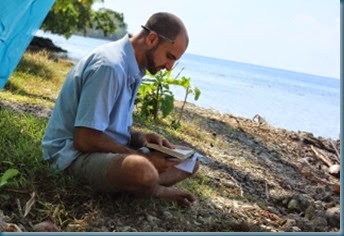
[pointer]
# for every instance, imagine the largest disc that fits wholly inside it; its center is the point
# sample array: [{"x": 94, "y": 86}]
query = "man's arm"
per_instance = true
[{"x": 91, "y": 140}]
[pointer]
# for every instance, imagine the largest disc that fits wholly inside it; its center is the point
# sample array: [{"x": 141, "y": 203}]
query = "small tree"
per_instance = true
[{"x": 155, "y": 97}]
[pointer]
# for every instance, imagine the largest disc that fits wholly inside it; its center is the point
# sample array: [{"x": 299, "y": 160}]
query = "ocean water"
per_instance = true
[{"x": 286, "y": 99}]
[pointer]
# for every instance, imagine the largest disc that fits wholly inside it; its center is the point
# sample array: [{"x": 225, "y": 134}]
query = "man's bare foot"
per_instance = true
[{"x": 182, "y": 198}]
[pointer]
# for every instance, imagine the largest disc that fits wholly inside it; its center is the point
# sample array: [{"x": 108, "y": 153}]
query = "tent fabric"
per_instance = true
[{"x": 19, "y": 21}]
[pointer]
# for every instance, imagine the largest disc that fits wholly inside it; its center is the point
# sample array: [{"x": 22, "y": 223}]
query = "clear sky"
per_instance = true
[{"x": 297, "y": 35}]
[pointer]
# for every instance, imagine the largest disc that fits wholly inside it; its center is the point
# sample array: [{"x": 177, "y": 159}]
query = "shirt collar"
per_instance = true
[{"x": 133, "y": 68}]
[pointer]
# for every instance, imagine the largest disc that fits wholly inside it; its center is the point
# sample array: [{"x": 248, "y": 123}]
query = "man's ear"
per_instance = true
[{"x": 152, "y": 39}]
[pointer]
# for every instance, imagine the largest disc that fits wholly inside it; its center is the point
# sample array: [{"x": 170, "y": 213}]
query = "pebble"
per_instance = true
[
  {"x": 333, "y": 216},
  {"x": 304, "y": 201},
  {"x": 310, "y": 212},
  {"x": 334, "y": 169},
  {"x": 167, "y": 215},
  {"x": 293, "y": 204},
  {"x": 46, "y": 226},
  {"x": 289, "y": 223},
  {"x": 296, "y": 229},
  {"x": 151, "y": 218},
  {"x": 319, "y": 223},
  {"x": 126, "y": 229}
]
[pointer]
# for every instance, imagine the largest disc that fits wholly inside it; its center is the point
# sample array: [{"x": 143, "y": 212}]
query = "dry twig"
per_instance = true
[
  {"x": 337, "y": 152},
  {"x": 321, "y": 157}
]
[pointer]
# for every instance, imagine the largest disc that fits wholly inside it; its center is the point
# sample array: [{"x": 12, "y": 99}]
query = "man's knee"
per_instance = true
[{"x": 138, "y": 171}]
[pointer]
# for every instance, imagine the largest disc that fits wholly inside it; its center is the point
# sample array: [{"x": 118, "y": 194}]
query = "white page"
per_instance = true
[{"x": 189, "y": 163}]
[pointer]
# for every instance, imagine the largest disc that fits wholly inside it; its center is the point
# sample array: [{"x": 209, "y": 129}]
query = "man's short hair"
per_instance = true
[{"x": 166, "y": 24}]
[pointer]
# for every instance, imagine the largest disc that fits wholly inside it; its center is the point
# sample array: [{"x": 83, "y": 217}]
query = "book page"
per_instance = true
[
  {"x": 189, "y": 164},
  {"x": 182, "y": 151}
]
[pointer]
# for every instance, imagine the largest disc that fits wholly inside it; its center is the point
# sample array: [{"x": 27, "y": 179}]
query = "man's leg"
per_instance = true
[
  {"x": 119, "y": 172},
  {"x": 136, "y": 174},
  {"x": 174, "y": 175}
]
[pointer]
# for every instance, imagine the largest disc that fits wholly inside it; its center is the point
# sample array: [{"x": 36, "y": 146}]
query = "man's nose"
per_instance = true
[{"x": 169, "y": 65}]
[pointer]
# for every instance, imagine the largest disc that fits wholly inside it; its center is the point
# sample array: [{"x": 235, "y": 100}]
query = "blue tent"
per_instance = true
[{"x": 19, "y": 20}]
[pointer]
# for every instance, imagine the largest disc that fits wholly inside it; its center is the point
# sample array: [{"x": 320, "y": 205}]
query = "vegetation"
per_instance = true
[
  {"x": 72, "y": 16},
  {"x": 155, "y": 97}
]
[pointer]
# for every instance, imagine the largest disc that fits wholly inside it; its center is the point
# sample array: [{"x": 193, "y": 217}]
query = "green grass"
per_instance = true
[{"x": 37, "y": 80}]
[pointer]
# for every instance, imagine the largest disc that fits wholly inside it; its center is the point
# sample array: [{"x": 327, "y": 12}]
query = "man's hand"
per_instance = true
[
  {"x": 154, "y": 138},
  {"x": 162, "y": 162}
]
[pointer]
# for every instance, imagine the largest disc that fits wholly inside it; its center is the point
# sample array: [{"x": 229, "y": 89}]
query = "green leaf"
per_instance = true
[
  {"x": 167, "y": 105},
  {"x": 10, "y": 173},
  {"x": 197, "y": 93}
]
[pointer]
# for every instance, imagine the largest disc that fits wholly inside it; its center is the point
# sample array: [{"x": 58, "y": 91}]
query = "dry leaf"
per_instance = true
[
  {"x": 336, "y": 188},
  {"x": 29, "y": 204},
  {"x": 8, "y": 227}
]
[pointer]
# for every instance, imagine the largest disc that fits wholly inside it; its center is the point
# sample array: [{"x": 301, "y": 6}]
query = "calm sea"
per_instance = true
[{"x": 286, "y": 99}]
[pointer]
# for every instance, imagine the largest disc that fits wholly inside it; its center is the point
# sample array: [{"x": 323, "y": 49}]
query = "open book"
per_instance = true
[{"x": 180, "y": 152}]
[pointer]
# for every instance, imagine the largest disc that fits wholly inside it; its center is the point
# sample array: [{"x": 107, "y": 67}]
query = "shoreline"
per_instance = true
[{"x": 44, "y": 112}]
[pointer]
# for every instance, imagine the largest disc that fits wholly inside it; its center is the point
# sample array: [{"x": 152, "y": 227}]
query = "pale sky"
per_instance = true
[{"x": 297, "y": 35}]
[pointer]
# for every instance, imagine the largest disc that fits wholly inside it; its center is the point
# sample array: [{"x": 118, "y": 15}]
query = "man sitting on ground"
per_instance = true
[{"x": 89, "y": 132}]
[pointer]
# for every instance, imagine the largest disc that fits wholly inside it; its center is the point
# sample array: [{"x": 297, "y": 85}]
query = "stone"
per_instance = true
[
  {"x": 152, "y": 219},
  {"x": 125, "y": 229},
  {"x": 334, "y": 169},
  {"x": 289, "y": 223},
  {"x": 320, "y": 223},
  {"x": 319, "y": 205},
  {"x": 294, "y": 204},
  {"x": 333, "y": 216},
  {"x": 304, "y": 202},
  {"x": 167, "y": 215},
  {"x": 295, "y": 229},
  {"x": 310, "y": 213}
]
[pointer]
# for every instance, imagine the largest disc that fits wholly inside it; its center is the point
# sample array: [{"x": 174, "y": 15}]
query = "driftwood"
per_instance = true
[
  {"x": 322, "y": 157},
  {"x": 337, "y": 152},
  {"x": 316, "y": 142}
]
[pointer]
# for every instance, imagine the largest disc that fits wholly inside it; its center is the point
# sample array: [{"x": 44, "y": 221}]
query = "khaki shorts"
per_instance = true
[{"x": 93, "y": 168}]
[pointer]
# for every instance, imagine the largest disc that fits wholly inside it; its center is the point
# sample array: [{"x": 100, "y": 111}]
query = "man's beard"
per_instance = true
[{"x": 151, "y": 67}]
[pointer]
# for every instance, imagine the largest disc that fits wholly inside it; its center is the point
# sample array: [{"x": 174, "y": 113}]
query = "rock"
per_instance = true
[
  {"x": 152, "y": 219},
  {"x": 333, "y": 216},
  {"x": 310, "y": 213},
  {"x": 285, "y": 201},
  {"x": 304, "y": 201},
  {"x": 320, "y": 223},
  {"x": 125, "y": 229},
  {"x": 167, "y": 215},
  {"x": 46, "y": 226},
  {"x": 289, "y": 223},
  {"x": 294, "y": 204},
  {"x": 296, "y": 229},
  {"x": 39, "y": 43},
  {"x": 334, "y": 169},
  {"x": 319, "y": 205}
]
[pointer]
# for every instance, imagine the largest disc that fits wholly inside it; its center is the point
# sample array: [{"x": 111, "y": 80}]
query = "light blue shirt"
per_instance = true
[{"x": 98, "y": 93}]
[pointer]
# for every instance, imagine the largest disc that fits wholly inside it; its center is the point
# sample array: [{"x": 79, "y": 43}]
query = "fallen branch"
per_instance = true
[
  {"x": 321, "y": 157},
  {"x": 337, "y": 152},
  {"x": 20, "y": 209},
  {"x": 267, "y": 191}
]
